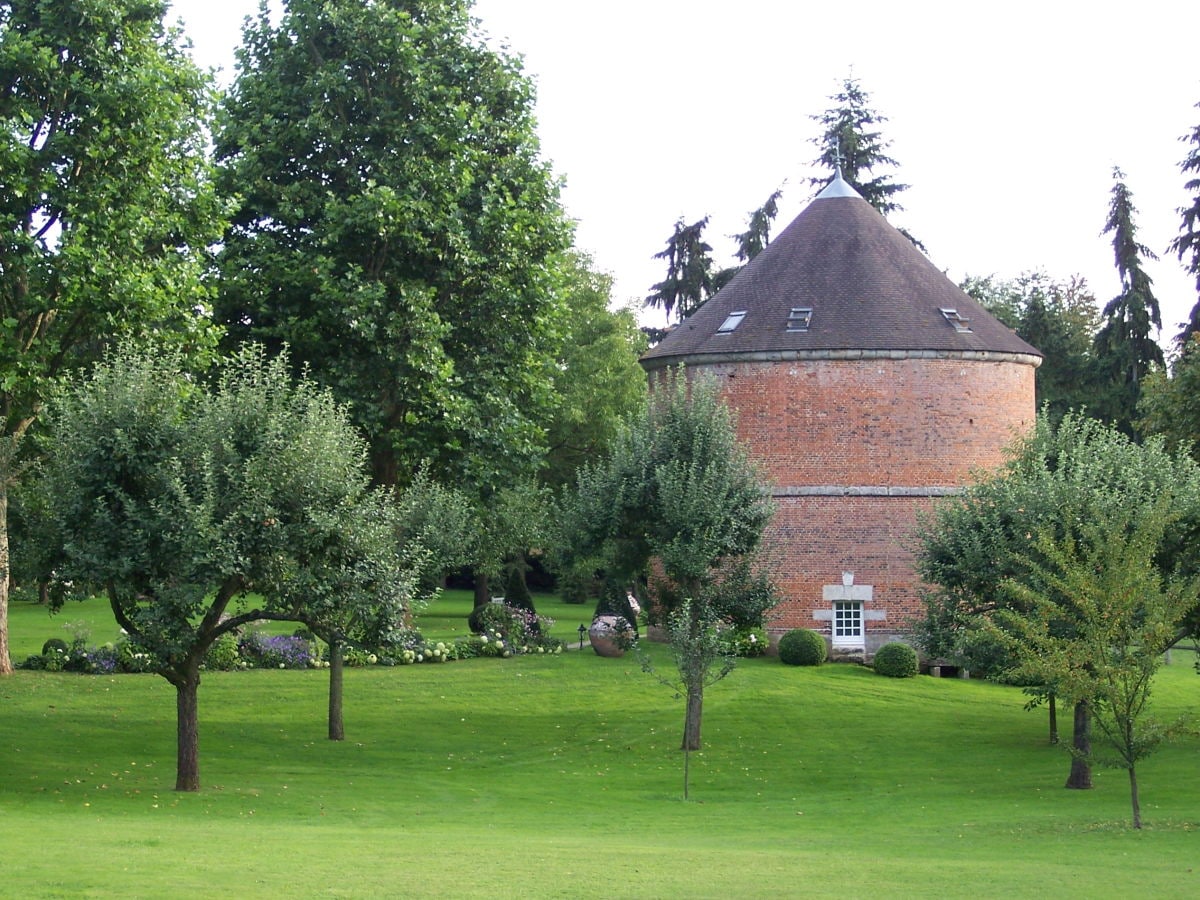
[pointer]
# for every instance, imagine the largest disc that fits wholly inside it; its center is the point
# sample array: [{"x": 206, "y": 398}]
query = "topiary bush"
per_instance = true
[
  {"x": 577, "y": 588},
  {"x": 896, "y": 660},
  {"x": 516, "y": 590},
  {"x": 490, "y": 619},
  {"x": 55, "y": 644},
  {"x": 802, "y": 647},
  {"x": 223, "y": 654}
]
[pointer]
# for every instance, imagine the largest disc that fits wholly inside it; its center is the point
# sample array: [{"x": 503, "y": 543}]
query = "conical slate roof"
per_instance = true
[{"x": 864, "y": 285}]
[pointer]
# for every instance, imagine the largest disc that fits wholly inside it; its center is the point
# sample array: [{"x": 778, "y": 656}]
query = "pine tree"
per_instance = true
[
  {"x": 850, "y": 141},
  {"x": 757, "y": 235},
  {"x": 752, "y": 241},
  {"x": 1125, "y": 348},
  {"x": 689, "y": 281},
  {"x": 1188, "y": 242}
]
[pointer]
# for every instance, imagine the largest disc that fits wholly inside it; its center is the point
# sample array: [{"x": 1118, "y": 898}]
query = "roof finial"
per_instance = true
[{"x": 838, "y": 186}]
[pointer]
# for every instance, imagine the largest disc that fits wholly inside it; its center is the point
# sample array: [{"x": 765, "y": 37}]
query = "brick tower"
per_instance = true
[{"x": 865, "y": 383}]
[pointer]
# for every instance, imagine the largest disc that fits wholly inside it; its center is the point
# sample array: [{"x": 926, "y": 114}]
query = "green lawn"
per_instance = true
[{"x": 559, "y": 777}]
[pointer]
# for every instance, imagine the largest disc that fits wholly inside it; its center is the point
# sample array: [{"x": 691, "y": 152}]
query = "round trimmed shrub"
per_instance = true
[
  {"x": 896, "y": 660},
  {"x": 223, "y": 654},
  {"x": 802, "y": 647},
  {"x": 55, "y": 644},
  {"x": 490, "y": 618}
]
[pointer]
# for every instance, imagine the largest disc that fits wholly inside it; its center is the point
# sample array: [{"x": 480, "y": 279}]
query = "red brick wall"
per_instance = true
[
  {"x": 868, "y": 423},
  {"x": 814, "y": 539},
  {"x": 911, "y": 422}
]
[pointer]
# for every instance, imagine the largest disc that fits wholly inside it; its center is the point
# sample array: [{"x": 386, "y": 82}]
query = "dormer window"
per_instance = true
[
  {"x": 732, "y": 321},
  {"x": 960, "y": 324},
  {"x": 799, "y": 318}
]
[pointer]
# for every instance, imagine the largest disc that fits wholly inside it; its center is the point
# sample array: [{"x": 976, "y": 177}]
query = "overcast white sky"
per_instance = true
[{"x": 1006, "y": 119}]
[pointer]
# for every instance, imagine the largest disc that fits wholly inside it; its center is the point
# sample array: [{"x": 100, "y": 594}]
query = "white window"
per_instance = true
[
  {"x": 799, "y": 318},
  {"x": 847, "y": 623},
  {"x": 732, "y": 321},
  {"x": 955, "y": 318}
]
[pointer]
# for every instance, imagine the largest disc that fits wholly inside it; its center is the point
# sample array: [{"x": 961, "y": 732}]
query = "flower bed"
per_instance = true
[{"x": 252, "y": 649}]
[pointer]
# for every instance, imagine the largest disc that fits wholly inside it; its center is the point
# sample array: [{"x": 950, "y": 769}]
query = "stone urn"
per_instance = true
[{"x": 610, "y": 635}]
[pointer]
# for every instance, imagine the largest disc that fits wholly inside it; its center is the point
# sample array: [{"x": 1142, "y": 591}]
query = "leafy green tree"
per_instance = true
[
  {"x": 1125, "y": 347},
  {"x": 1077, "y": 469},
  {"x": 512, "y": 522},
  {"x": 1057, "y": 317},
  {"x": 597, "y": 381},
  {"x": 1102, "y": 574},
  {"x": 679, "y": 490},
  {"x": 851, "y": 142},
  {"x": 689, "y": 281},
  {"x": 440, "y": 521},
  {"x": 1170, "y": 402},
  {"x": 106, "y": 203},
  {"x": 178, "y": 502},
  {"x": 700, "y": 661},
  {"x": 397, "y": 230},
  {"x": 1187, "y": 244},
  {"x": 352, "y": 584}
]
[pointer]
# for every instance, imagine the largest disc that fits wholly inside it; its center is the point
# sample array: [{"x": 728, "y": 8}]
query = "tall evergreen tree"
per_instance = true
[
  {"x": 752, "y": 241},
  {"x": 689, "y": 281},
  {"x": 1125, "y": 347},
  {"x": 1187, "y": 244},
  {"x": 757, "y": 235},
  {"x": 850, "y": 140}
]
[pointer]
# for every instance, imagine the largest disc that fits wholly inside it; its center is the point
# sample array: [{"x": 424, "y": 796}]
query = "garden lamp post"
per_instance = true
[{"x": 582, "y": 632}]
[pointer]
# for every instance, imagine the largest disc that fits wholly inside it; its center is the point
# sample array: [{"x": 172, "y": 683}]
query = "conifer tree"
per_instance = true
[
  {"x": 752, "y": 241},
  {"x": 689, "y": 281},
  {"x": 1125, "y": 347},
  {"x": 851, "y": 140},
  {"x": 1187, "y": 244},
  {"x": 757, "y": 235}
]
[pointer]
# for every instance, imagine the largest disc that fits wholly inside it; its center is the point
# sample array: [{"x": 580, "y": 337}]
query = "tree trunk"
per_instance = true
[
  {"x": 691, "y": 722},
  {"x": 5, "y": 660},
  {"x": 1081, "y": 770},
  {"x": 187, "y": 760},
  {"x": 693, "y": 675},
  {"x": 1133, "y": 799},
  {"x": 1053, "y": 719},
  {"x": 337, "y": 730},
  {"x": 384, "y": 467},
  {"x": 482, "y": 594}
]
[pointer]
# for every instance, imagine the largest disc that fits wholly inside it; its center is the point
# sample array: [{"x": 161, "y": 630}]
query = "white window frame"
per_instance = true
[
  {"x": 732, "y": 321},
  {"x": 846, "y": 629}
]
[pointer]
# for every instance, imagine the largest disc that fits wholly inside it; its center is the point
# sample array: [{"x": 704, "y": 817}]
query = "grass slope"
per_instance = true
[{"x": 559, "y": 777}]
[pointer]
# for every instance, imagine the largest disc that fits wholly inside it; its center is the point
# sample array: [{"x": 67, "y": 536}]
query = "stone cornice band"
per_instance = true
[
  {"x": 865, "y": 490},
  {"x": 709, "y": 359}
]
